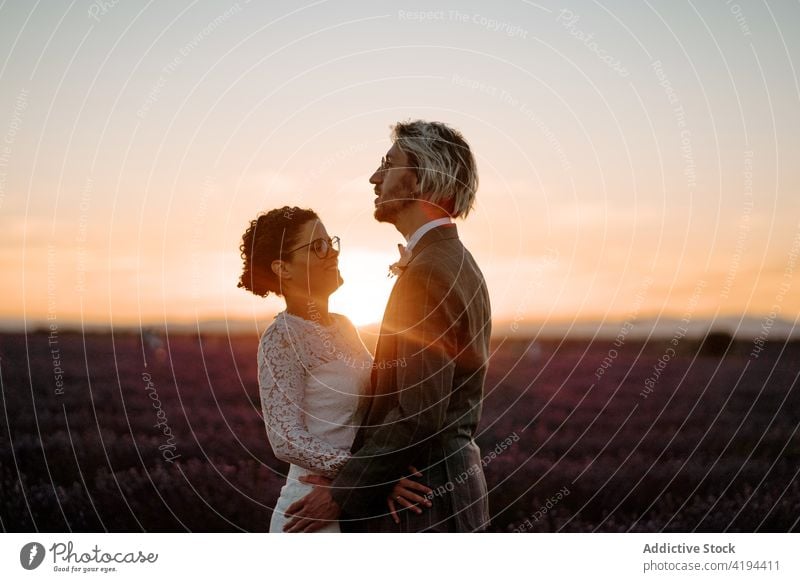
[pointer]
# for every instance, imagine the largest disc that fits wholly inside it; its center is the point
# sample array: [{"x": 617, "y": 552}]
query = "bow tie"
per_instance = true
[{"x": 396, "y": 268}]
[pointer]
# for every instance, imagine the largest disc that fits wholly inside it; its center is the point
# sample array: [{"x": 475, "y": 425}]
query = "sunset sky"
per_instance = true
[{"x": 636, "y": 159}]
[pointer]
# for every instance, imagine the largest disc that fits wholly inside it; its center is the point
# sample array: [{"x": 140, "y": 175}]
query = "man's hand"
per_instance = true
[
  {"x": 315, "y": 510},
  {"x": 403, "y": 494}
]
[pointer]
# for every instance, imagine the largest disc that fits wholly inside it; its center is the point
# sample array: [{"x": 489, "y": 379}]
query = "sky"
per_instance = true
[{"x": 637, "y": 160}]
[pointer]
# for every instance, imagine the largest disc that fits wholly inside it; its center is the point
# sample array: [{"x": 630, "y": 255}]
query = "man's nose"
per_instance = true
[{"x": 376, "y": 178}]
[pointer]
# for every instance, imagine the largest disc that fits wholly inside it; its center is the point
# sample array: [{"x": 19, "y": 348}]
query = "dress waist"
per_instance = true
[{"x": 296, "y": 471}]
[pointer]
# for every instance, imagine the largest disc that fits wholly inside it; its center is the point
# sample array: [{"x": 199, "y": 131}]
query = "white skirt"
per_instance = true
[{"x": 291, "y": 492}]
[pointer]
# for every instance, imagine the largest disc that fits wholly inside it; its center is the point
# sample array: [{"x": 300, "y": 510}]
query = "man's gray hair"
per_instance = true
[{"x": 444, "y": 164}]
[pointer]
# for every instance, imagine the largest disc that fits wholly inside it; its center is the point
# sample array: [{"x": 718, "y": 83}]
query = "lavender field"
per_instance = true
[{"x": 121, "y": 432}]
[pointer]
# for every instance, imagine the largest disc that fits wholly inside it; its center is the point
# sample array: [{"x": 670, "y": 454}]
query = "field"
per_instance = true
[{"x": 124, "y": 432}]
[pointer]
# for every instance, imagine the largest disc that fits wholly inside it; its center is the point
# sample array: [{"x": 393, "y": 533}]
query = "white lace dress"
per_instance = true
[{"x": 310, "y": 377}]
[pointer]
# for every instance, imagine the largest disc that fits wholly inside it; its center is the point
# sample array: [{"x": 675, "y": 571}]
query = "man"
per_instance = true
[{"x": 430, "y": 360}]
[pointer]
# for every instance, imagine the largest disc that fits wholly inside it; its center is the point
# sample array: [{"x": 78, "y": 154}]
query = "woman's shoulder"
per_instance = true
[
  {"x": 279, "y": 332},
  {"x": 289, "y": 329},
  {"x": 345, "y": 325},
  {"x": 350, "y": 332},
  {"x": 342, "y": 320},
  {"x": 281, "y": 345}
]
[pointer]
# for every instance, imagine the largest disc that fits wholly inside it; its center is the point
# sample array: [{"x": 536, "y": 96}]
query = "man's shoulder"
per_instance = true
[
  {"x": 446, "y": 272},
  {"x": 445, "y": 258},
  {"x": 433, "y": 264}
]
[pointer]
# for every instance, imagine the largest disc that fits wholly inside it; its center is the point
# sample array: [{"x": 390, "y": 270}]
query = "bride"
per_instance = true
[{"x": 312, "y": 365}]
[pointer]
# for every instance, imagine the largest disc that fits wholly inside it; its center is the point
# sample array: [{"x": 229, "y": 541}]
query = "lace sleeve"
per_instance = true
[{"x": 281, "y": 381}]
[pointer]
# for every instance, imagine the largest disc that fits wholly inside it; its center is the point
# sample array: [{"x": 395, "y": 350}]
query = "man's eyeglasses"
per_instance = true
[
  {"x": 322, "y": 247},
  {"x": 386, "y": 164}
]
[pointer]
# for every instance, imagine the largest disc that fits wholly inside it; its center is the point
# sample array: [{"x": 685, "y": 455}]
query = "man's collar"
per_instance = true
[
  {"x": 414, "y": 239},
  {"x": 442, "y": 232},
  {"x": 438, "y": 232}
]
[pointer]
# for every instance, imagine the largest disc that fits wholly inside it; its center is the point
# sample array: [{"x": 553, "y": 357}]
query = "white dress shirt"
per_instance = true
[{"x": 420, "y": 232}]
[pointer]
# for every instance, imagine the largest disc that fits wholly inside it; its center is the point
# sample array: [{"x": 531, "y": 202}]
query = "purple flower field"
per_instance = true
[{"x": 92, "y": 439}]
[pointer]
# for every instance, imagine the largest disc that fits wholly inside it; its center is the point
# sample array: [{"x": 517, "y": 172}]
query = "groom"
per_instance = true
[{"x": 431, "y": 356}]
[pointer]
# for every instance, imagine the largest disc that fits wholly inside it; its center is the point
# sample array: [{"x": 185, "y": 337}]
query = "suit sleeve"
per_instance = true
[{"x": 425, "y": 367}]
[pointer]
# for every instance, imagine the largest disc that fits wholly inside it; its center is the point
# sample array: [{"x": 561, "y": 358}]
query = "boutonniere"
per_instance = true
[{"x": 396, "y": 268}]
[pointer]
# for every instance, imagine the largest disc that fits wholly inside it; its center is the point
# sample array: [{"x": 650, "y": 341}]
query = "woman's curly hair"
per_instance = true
[{"x": 264, "y": 241}]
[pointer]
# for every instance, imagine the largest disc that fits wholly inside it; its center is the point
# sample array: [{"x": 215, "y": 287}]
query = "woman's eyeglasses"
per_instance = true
[{"x": 322, "y": 247}]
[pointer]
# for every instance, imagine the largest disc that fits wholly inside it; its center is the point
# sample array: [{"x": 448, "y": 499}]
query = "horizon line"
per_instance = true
[{"x": 744, "y": 327}]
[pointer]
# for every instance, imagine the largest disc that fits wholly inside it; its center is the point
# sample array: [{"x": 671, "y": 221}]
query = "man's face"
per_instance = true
[{"x": 395, "y": 185}]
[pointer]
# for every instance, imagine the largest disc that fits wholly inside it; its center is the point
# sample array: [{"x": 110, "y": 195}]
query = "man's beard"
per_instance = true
[{"x": 388, "y": 211}]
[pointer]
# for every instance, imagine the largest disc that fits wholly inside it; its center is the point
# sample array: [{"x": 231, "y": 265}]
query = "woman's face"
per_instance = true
[{"x": 308, "y": 273}]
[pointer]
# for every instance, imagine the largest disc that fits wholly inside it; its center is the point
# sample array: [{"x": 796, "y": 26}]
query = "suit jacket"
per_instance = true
[{"x": 427, "y": 389}]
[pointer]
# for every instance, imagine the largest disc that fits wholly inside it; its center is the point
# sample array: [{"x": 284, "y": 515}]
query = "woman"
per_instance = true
[{"x": 312, "y": 364}]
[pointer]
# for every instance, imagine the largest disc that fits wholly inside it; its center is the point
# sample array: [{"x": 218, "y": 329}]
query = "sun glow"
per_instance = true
[{"x": 366, "y": 286}]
